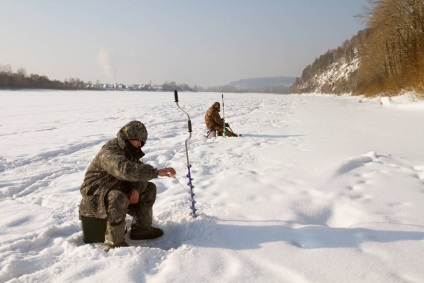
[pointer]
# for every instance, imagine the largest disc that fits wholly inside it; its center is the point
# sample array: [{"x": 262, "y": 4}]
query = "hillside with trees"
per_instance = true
[
  {"x": 336, "y": 71},
  {"x": 387, "y": 57},
  {"x": 261, "y": 85}
]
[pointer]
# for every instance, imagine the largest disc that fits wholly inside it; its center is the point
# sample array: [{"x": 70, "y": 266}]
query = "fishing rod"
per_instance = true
[
  {"x": 223, "y": 116},
  {"x": 190, "y": 184}
]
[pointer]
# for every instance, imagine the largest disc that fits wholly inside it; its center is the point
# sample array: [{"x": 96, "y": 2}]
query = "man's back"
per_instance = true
[{"x": 212, "y": 117}]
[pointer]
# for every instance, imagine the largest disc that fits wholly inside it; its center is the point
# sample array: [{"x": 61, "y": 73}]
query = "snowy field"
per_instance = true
[{"x": 318, "y": 189}]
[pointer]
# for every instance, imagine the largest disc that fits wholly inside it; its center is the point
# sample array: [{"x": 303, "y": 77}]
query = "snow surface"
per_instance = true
[{"x": 318, "y": 189}]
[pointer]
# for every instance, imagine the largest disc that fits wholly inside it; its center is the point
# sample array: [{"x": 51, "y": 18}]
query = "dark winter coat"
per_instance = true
[
  {"x": 212, "y": 118},
  {"x": 117, "y": 166}
]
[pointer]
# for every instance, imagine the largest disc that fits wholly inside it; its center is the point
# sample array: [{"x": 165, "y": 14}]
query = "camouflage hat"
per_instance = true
[{"x": 134, "y": 130}]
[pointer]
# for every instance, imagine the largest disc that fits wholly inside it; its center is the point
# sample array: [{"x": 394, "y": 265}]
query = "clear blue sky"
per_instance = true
[{"x": 198, "y": 42}]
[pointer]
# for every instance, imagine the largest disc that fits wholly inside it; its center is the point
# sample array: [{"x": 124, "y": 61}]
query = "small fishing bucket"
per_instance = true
[{"x": 93, "y": 229}]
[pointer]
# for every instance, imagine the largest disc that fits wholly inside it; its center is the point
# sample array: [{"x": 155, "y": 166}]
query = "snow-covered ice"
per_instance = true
[{"x": 318, "y": 189}]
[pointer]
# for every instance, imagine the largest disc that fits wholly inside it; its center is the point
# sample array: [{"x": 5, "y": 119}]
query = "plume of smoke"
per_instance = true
[{"x": 105, "y": 59}]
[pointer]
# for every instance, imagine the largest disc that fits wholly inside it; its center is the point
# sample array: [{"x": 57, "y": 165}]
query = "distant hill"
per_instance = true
[
  {"x": 264, "y": 84},
  {"x": 258, "y": 83}
]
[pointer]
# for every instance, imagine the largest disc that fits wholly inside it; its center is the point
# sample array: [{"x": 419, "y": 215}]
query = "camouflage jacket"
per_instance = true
[
  {"x": 116, "y": 166},
  {"x": 212, "y": 118}
]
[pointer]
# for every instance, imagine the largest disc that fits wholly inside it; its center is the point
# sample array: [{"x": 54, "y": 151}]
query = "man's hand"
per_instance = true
[
  {"x": 134, "y": 195},
  {"x": 167, "y": 172}
]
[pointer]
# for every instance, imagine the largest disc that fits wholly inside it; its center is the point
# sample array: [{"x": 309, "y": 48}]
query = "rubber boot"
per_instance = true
[
  {"x": 141, "y": 226},
  {"x": 115, "y": 235}
]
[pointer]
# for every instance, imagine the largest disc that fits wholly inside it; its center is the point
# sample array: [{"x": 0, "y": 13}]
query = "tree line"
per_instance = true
[
  {"x": 390, "y": 52},
  {"x": 393, "y": 57},
  {"x": 20, "y": 79}
]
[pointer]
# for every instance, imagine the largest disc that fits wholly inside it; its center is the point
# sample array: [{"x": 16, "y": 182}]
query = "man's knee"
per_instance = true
[
  {"x": 148, "y": 196},
  {"x": 151, "y": 187},
  {"x": 116, "y": 203}
]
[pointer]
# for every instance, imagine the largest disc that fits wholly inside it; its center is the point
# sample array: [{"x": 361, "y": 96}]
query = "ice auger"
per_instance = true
[{"x": 190, "y": 184}]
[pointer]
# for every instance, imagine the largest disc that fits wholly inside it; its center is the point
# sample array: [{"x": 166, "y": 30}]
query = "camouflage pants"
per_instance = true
[{"x": 118, "y": 205}]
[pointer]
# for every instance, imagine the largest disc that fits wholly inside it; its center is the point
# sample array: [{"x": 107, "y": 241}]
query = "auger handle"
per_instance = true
[
  {"x": 189, "y": 126},
  {"x": 176, "y": 96}
]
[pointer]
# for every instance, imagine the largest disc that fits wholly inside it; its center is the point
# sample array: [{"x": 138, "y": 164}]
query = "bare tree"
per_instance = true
[{"x": 393, "y": 56}]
